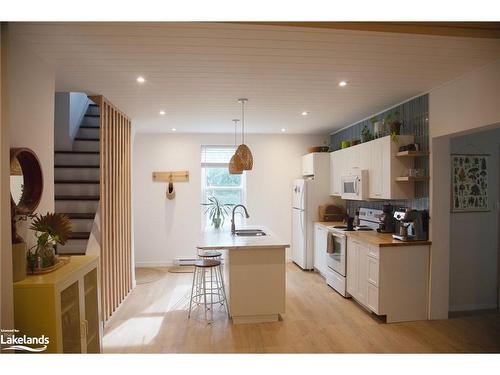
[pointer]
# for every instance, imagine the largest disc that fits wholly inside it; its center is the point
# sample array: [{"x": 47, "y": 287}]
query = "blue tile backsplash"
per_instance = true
[{"x": 415, "y": 117}]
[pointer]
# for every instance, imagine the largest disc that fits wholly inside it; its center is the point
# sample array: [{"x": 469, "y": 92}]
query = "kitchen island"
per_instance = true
[{"x": 254, "y": 274}]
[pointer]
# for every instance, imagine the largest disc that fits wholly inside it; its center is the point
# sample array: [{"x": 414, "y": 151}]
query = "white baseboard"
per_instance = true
[
  {"x": 153, "y": 264},
  {"x": 483, "y": 306}
]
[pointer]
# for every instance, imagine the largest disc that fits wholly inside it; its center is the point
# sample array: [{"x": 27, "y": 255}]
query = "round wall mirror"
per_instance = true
[{"x": 26, "y": 181}]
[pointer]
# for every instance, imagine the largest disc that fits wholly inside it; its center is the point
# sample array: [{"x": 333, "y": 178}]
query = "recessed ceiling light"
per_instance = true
[
  {"x": 174, "y": 129},
  {"x": 342, "y": 83},
  {"x": 162, "y": 113},
  {"x": 304, "y": 113},
  {"x": 283, "y": 130},
  {"x": 141, "y": 79}
]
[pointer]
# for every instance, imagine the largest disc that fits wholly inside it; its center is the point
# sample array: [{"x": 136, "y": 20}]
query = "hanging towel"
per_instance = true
[{"x": 330, "y": 247}]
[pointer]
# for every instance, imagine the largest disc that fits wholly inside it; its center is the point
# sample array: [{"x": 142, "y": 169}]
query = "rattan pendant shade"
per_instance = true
[
  {"x": 235, "y": 165},
  {"x": 243, "y": 151},
  {"x": 245, "y": 156}
]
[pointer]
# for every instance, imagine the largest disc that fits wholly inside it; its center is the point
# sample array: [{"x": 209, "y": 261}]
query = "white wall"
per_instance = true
[
  {"x": 70, "y": 107},
  {"x": 474, "y": 235},
  {"x": 30, "y": 117},
  {"x": 165, "y": 230},
  {"x": 469, "y": 103}
]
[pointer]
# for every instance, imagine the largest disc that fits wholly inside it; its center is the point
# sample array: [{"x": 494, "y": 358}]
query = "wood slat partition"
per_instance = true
[{"x": 115, "y": 190}]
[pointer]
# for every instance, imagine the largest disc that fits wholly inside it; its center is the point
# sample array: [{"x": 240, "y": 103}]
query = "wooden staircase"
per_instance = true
[{"x": 77, "y": 182}]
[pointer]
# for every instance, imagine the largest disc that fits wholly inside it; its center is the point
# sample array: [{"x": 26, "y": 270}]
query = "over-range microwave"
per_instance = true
[{"x": 355, "y": 185}]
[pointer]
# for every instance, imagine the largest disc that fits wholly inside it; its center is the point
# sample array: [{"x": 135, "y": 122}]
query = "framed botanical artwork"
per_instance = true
[{"x": 469, "y": 183}]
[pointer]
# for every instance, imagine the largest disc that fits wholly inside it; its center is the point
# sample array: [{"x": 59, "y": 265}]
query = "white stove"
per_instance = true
[{"x": 336, "y": 256}]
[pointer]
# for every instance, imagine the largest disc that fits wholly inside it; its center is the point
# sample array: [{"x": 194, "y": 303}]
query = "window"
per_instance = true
[{"x": 217, "y": 182}]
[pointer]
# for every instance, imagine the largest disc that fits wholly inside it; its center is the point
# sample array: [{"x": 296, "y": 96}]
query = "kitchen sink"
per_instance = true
[{"x": 249, "y": 232}]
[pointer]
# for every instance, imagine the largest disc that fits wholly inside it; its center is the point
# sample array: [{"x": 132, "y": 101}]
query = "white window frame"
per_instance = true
[{"x": 204, "y": 189}]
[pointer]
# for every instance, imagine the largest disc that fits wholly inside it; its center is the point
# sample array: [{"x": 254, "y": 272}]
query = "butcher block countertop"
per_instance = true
[
  {"x": 224, "y": 240},
  {"x": 375, "y": 238}
]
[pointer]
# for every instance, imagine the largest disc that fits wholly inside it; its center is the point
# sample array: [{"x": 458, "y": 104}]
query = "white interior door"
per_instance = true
[{"x": 298, "y": 238}]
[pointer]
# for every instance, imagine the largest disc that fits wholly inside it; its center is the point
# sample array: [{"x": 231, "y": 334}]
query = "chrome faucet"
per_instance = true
[{"x": 233, "y": 228}]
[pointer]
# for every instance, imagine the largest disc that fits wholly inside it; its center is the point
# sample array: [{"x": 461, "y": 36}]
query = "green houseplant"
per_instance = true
[
  {"x": 51, "y": 230},
  {"x": 217, "y": 211},
  {"x": 395, "y": 123},
  {"x": 366, "y": 134}
]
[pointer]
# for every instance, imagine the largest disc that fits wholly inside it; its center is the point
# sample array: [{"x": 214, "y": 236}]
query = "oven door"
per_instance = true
[{"x": 336, "y": 252}]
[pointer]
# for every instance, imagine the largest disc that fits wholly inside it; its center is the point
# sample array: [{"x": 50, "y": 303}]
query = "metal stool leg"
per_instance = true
[
  {"x": 204, "y": 292},
  {"x": 192, "y": 291},
  {"x": 223, "y": 290}
]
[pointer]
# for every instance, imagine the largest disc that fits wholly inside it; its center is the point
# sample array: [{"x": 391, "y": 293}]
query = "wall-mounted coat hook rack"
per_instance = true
[
  {"x": 171, "y": 177},
  {"x": 176, "y": 176}
]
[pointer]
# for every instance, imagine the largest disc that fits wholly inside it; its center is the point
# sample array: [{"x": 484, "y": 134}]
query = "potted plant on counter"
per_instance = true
[{"x": 217, "y": 212}]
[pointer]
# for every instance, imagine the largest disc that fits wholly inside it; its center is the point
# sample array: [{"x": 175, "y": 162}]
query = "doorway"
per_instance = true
[{"x": 474, "y": 238}]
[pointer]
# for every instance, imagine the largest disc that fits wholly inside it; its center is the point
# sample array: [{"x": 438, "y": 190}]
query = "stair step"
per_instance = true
[
  {"x": 93, "y": 105},
  {"x": 74, "y": 246},
  {"x": 78, "y": 152},
  {"x": 93, "y": 182},
  {"x": 92, "y": 115},
  {"x": 79, "y": 236},
  {"x": 87, "y": 139},
  {"x": 89, "y": 127},
  {"x": 85, "y": 145},
  {"x": 77, "y": 197},
  {"x": 79, "y": 215},
  {"x": 75, "y": 166}
]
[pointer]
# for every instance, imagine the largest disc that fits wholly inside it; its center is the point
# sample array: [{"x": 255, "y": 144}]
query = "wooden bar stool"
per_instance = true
[
  {"x": 210, "y": 254},
  {"x": 208, "y": 286}
]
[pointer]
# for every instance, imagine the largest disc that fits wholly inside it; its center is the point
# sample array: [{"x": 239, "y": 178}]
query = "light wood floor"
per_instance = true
[{"x": 153, "y": 319}]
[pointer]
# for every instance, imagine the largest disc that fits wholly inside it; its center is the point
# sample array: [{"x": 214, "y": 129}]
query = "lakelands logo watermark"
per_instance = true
[{"x": 24, "y": 343}]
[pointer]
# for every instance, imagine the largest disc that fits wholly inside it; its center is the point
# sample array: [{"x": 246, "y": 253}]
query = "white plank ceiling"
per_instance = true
[{"x": 197, "y": 71}]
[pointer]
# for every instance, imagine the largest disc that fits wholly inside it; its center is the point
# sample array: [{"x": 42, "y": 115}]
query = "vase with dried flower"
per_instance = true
[{"x": 51, "y": 230}]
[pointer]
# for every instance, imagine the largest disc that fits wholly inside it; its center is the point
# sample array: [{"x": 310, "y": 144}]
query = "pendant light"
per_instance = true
[
  {"x": 243, "y": 151},
  {"x": 235, "y": 165}
]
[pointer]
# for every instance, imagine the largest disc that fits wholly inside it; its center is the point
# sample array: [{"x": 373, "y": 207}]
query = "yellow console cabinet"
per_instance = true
[{"x": 63, "y": 305}]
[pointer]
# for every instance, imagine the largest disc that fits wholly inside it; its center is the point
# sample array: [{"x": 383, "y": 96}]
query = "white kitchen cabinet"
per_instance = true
[
  {"x": 308, "y": 164},
  {"x": 389, "y": 280},
  {"x": 320, "y": 244},
  {"x": 385, "y": 167},
  {"x": 335, "y": 173},
  {"x": 357, "y": 270},
  {"x": 315, "y": 163},
  {"x": 379, "y": 158}
]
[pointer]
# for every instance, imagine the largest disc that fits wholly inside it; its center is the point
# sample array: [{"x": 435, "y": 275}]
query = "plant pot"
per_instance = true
[
  {"x": 19, "y": 264},
  {"x": 355, "y": 142},
  {"x": 396, "y": 127},
  {"x": 217, "y": 222},
  {"x": 345, "y": 144}
]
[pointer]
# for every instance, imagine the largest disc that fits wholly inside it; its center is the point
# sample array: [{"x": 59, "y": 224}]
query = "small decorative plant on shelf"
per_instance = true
[
  {"x": 51, "y": 230},
  {"x": 217, "y": 211},
  {"x": 366, "y": 134},
  {"x": 395, "y": 124}
]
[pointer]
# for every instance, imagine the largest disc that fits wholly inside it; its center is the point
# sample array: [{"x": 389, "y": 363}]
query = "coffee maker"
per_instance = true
[
  {"x": 386, "y": 220},
  {"x": 412, "y": 225}
]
